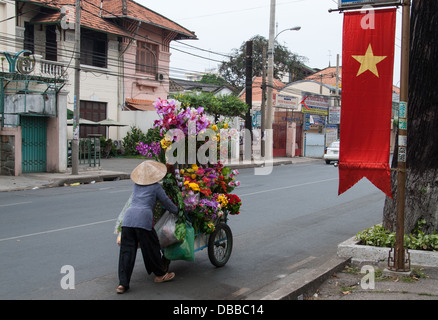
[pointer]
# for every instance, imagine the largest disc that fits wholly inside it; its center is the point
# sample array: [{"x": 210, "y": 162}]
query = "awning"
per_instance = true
[
  {"x": 111, "y": 123},
  {"x": 139, "y": 104},
  {"x": 82, "y": 122}
]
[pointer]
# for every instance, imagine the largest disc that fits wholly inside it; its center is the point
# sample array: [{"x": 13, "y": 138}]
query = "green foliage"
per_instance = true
[
  {"x": 379, "y": 237},
  {"x": 174, "y": 192},
  {"x": 227, "y": 105},
  {"x": 376, "y": 236},
  {"x": 104, "y": 143},
  {"x": 213, "y": 79},
  {"x": 131, "y": 139},
  {"x": 152, "y": 135},
  {"x": 285, "y": 62}
]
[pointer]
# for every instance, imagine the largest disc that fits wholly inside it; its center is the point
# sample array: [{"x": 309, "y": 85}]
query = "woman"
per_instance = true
[{"x": 137, "y": 227}]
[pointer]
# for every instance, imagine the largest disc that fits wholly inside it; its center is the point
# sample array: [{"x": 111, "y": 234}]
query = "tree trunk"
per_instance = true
[{"x": 422, "y": 151}]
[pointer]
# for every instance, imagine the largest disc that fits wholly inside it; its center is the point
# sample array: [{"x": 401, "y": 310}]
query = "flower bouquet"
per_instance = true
[
  {"x": 233, "y": 204},
  {"x": 202, "y": 191}
]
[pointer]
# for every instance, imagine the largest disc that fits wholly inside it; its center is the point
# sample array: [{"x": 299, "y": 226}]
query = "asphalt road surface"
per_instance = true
[{"x": 58, "y": 243}]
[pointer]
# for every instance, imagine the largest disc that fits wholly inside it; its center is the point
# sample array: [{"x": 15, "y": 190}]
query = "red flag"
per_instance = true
[{"x": 367, "y": 75}]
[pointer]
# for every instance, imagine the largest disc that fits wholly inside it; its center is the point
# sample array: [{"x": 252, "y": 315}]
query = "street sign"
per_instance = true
[
  {"x": 286, "y": 102},
  {"x": 356, "y": 4},
  {"x": 256, "y": 119}
]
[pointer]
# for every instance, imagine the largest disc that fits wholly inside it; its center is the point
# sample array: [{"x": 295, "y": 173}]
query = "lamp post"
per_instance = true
[
  {"x": 270, "y": 82},
  {"x": 288, "y": 29}
]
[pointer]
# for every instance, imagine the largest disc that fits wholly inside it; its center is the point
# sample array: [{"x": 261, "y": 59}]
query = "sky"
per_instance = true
[{"x": 222, "y": 26}]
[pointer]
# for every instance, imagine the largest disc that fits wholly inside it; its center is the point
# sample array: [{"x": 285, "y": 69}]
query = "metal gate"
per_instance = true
[
  {"x": 34, "y": 144},
  {"x": 279, "y": 139},
  {"x": 314, "y": 145}
]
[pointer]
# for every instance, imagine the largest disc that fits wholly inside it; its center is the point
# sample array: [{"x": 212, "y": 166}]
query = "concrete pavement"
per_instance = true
[{"x": 338, "y": 278}]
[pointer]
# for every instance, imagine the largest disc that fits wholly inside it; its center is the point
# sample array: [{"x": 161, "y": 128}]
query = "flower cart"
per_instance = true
[
  {"x": 219, "y": 242},
  {"x": 201, "y": 187}
]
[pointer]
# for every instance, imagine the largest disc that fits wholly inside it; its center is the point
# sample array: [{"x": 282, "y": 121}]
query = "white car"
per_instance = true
[{"x": 332, "y": 153}]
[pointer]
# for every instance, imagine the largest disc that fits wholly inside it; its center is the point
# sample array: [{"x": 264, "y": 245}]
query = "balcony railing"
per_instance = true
[
  {"x": 33, "y": 65},
  {"x": 51, "y": 69}
]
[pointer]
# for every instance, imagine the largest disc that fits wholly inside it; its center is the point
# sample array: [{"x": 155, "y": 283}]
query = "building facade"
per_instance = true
[{"x": 124, "y": 67}]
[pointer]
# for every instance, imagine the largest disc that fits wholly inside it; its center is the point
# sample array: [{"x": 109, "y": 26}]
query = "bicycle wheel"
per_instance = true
[{"x": 220, "y": 245}]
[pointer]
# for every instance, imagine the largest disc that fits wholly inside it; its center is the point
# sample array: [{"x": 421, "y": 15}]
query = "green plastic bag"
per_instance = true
[{"x": 184, "y": 250}]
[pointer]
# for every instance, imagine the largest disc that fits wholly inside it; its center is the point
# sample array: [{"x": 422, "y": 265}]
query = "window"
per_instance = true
[
  {"x": 29, "y": 41},
  {"x": 93, "y": 48},
  {"x": 51, "y": 45},
  {"x": 146, "y": 60},
  {"x": 94, "y": 111}
]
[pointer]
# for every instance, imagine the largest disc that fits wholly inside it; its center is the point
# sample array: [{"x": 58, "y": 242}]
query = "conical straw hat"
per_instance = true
[{"x": 148, "y": 172}]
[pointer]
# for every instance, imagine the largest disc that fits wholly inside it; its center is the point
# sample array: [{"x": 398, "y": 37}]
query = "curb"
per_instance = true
[
  {"x": 361, "y": 253},
  {"x": 89, "y": 179},
  {"x": 307, "y": 284}
]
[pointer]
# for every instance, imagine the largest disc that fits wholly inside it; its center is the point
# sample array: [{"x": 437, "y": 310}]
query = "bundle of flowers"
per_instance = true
[
  {"x": 233, "y": 204},
  {"x": 151, "y": 151},
  {"x": 203, "y": 192}
]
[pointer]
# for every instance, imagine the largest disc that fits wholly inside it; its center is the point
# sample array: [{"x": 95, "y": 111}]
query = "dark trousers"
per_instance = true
[{"x": 150, "y": 250}]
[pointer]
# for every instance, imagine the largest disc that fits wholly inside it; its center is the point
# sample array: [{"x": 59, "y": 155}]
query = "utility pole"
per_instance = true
[
  {"x": 248, "y": 100},
  {"x": 399, "y": 253},
  {"x": 263, "y": 107},
  {"x": 270, "y": 85},
  {"x": 77, "y": 103}
]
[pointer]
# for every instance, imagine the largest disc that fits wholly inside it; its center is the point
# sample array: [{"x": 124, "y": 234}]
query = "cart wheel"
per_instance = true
[{"x": 220, "y": 245}]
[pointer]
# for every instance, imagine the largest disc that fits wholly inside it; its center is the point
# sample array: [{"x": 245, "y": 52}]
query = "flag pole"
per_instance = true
[{"x": 399, "y": 253}]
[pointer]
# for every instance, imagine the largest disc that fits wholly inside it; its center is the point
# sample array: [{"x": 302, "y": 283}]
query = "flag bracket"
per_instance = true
[
  {"x": 341, "y": 10},
  {"x": 392, "y": 265}
]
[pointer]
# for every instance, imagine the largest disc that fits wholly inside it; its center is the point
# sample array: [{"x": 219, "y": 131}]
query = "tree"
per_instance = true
[
  {"x": 422, "y": 154},
  {"x": 213, "y": 79},
  {"x": 285, "y": 62},
  {"x": 226, "y": 105}
]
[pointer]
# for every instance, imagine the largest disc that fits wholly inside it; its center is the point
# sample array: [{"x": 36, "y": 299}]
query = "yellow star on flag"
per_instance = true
[{"x": 369, "y": 62}]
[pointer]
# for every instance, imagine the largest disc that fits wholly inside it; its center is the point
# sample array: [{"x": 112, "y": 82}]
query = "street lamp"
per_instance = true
[
  {"x": 288, "y": 29},
  {"x": 270, "y": 84}
]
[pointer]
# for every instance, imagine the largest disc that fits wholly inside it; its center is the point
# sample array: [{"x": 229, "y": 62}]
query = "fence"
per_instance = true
[{"x": 89, "y": 151}]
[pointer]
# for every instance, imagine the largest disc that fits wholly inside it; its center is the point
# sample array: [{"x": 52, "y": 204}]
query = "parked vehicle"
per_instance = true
[{"x": 332, "y": 153}]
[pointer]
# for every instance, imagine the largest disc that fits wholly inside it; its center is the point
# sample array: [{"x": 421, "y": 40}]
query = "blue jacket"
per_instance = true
[{"x": 140, "y": 212}]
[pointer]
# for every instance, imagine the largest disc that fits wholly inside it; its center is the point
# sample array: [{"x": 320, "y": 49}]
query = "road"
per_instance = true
[{"x": 291, "y": 219}]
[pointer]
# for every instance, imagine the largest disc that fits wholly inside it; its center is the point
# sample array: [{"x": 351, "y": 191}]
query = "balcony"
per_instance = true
[
  {"x": 30, "y": 86},
  {"x": 33, "y": 66}
]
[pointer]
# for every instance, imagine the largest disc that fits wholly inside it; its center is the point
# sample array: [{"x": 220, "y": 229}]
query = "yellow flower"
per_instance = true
[
  {"x": 195, "y": 167},
  {"x": 225, "y": 125},
  {"x": 165, "y": 143},
  {"x": 214, "y": 127},
  {"x": 193, "y": 176},
  {"x": 222, "y": 200},
  {"x": 194, "y": 186}
]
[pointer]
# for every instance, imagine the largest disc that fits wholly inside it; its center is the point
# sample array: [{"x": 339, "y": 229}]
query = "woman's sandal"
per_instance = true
[
  {"x": 167, "y": 277},
  {"x": 121, "y": 289}
]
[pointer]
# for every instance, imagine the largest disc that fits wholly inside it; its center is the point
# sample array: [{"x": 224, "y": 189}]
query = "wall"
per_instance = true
[
  {"x": 142, "y": 85},
  {"x": 140, "y": 119},
  {"x": 57, "y": 137},
  {"x": 10, "y": 151}
]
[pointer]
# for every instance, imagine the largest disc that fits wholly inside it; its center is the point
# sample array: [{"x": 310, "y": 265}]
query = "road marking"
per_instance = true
[
  {"x": 14, "y": 204},
  {"x": 239, "y": 292},
  {"x": 121, "y": 190},
  {"x": 288, "y": 187},
  {"x": 56, "y": 230},
  {"x": 300, "y": 263}
]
